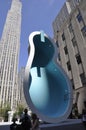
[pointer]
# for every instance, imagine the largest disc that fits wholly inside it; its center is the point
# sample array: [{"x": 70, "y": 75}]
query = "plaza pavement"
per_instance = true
[{"x": 71, "y": 124}]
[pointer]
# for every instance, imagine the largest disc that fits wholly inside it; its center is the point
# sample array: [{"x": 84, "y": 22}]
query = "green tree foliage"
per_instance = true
[
  {"x": 19, "y": 110},
  {"x": 4, "y": 112}
]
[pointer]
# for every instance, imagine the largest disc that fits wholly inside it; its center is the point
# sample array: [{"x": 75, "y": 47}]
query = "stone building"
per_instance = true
[
  {"x": 22, "y": 100},
  {"x": 70, "y": 37},
  {"x": 9, "y": 55}
]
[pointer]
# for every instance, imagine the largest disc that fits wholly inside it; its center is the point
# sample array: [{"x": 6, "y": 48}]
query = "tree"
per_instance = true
[
  {"x": 4, "y": 112},
  {"x": 19, "y": 110}
]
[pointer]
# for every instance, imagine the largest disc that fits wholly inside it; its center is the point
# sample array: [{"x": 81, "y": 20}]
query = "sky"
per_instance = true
[{"x": 36, "y": 15}]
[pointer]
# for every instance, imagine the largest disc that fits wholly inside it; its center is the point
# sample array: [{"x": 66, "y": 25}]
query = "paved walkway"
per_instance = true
[
  {"x": 70, "y": 124},
  {"x": 66, "y": 125}
]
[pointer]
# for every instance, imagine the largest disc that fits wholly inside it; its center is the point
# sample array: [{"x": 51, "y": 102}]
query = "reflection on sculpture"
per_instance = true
[{"x": 47, "y": 88}]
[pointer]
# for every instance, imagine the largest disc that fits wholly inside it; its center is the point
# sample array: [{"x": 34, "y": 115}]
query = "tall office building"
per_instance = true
[
  {"x": 70, "y": 36},
  {"x": 9, "y": 54},
  {"x": 21, "y": 74}
]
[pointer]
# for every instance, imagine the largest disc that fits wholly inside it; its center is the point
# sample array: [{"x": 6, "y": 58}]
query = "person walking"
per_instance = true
[
  {"x": 25, "y": 121},
  {"x": 14, "y": 125},
  {"x": 84, "y": 117},
  {"x": 35, "y": 122}
]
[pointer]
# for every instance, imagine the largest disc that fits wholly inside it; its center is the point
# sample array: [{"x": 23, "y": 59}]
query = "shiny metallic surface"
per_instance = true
[{"x": 47, "y": 88}]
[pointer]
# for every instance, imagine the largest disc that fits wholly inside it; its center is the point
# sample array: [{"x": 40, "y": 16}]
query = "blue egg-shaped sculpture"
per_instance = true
[{"x": 47, "y": 88}]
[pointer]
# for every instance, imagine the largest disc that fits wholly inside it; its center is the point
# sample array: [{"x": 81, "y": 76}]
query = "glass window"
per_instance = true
[
  {"x": 69, "y": 65},
  {"x": 78, "y": 58},
  {"x": 74, "y": 41},
  {"x": 63, "y": 37},
  {"x": 59, "y": 56},
  {"x": 65, "y": 49},
  {"x": 83, "y": 30},
  {"x": 83, "y": 78},
  {"x": 57, "y": 44},
  {"x": 79, "y": 17},
  {"x": 70, "y": 28},
  {"x": 72, "y": 83}
]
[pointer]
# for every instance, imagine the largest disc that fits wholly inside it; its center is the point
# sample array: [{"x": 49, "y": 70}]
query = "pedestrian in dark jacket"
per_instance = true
[
  {"x": 25, "y": 121},
  {"x": 14, "y": 125}
]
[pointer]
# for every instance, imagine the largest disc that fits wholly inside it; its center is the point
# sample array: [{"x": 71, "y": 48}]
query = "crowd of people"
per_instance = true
[
  {"x": 27, "y": 122},
  {"x": 31, "y": 122}
]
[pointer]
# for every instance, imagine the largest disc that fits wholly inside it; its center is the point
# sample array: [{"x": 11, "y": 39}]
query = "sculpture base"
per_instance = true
[{"x": 70, "y": 124}]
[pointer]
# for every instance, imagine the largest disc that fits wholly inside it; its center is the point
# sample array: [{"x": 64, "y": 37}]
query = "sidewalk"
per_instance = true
[{"x": 71, "y": 124}]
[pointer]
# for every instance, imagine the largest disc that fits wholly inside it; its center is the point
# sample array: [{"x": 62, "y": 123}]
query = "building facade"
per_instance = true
[
  {"x": 9, "y": 55},
  {"x": 21, "y": 96},
  {"x": 70, "y": 37}
]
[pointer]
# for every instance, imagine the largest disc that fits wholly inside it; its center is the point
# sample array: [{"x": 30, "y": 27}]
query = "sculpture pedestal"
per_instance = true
[{"x": 70, "y": 124}]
